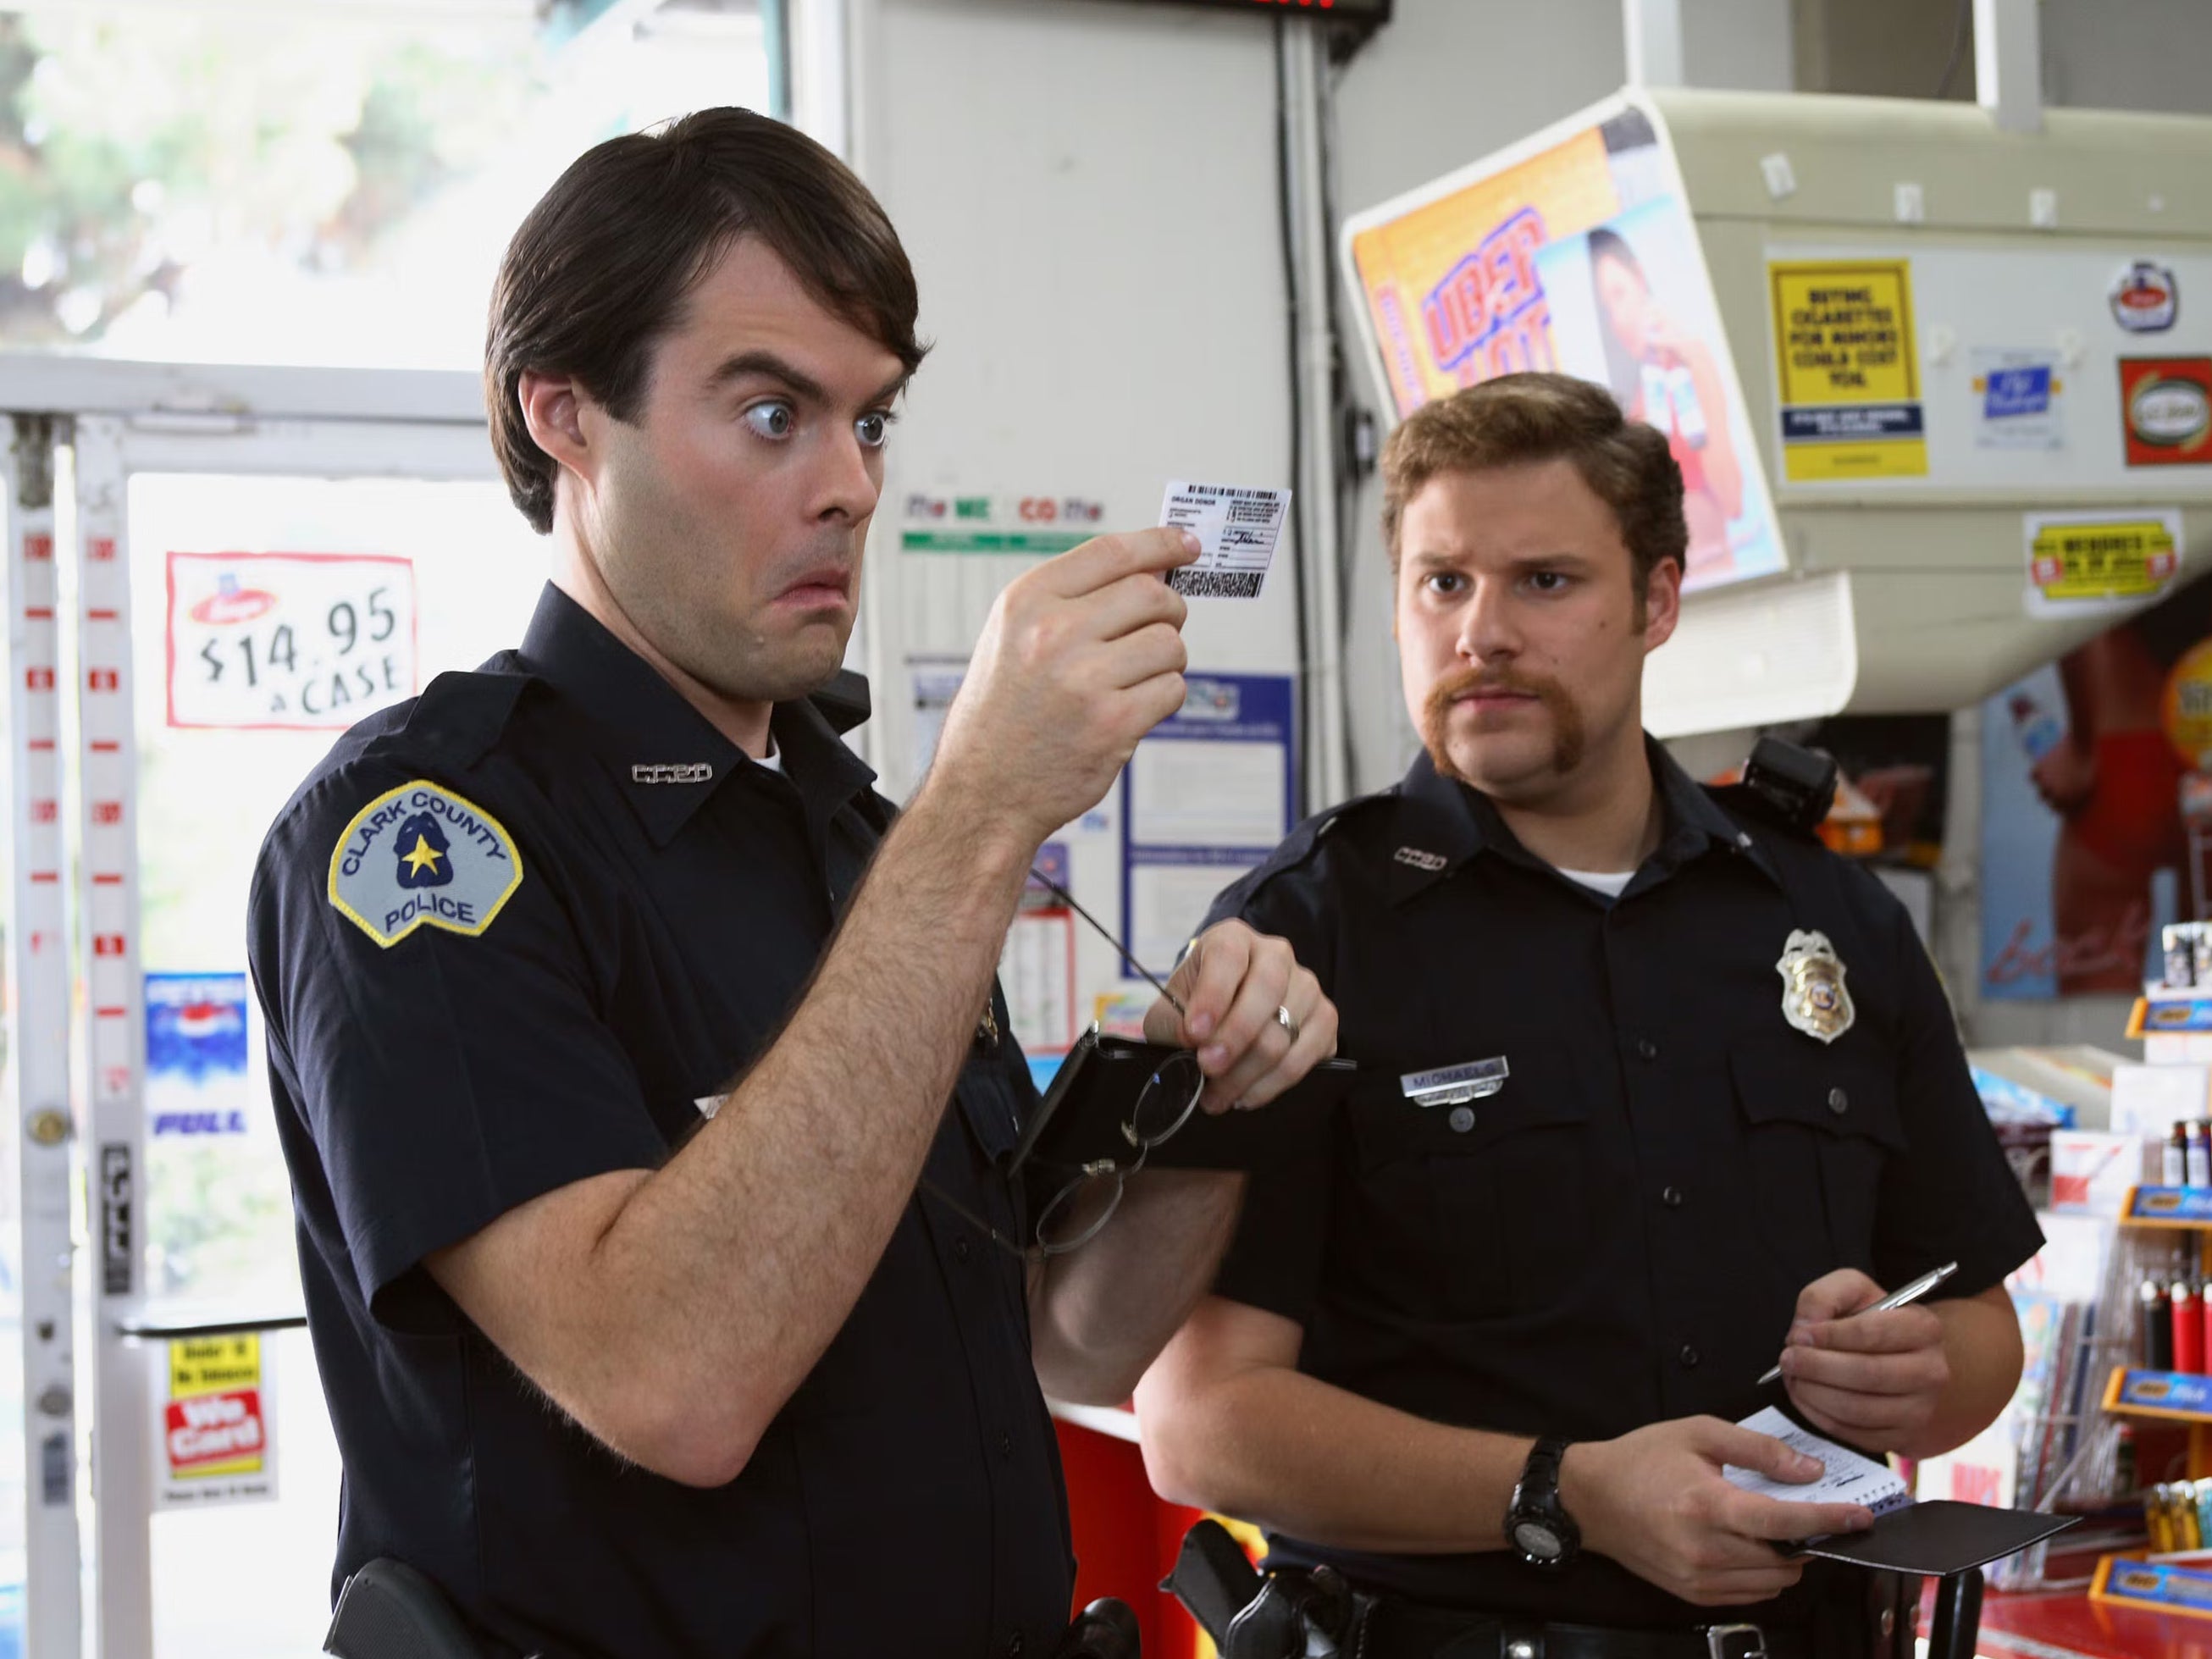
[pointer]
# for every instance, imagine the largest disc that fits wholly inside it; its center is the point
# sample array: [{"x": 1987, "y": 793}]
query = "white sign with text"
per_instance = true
[{"x": 288, "y": 641}]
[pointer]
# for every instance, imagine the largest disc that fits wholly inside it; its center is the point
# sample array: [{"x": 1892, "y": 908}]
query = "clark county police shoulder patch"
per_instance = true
[{"x": 421, "y": 856}]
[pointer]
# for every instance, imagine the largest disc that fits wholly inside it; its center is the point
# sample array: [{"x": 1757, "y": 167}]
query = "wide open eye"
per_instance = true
[{"x": 773, "y": 421}]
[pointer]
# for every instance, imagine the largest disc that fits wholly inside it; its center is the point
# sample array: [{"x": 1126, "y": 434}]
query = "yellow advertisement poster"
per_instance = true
[
  {"x": 1580, "y": 256},
  {"x": 214, "y": 1443},
  {"x": 1452, "y": 287},
  {"x": 1850, "y": 375},
  {"x": 2077, "y": 561}
]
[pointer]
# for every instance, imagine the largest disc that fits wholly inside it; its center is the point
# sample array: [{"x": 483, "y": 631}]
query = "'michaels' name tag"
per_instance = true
[{"x": 1455, "y": 1085}]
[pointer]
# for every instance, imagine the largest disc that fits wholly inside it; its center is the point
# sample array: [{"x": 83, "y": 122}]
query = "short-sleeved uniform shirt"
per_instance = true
[
  {"x": 511, "y": 935},
  {"x": 1617, "y": 1235}
]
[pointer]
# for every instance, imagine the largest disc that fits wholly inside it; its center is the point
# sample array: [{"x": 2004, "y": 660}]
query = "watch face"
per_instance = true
[{"x": 1536, "y": 1540}]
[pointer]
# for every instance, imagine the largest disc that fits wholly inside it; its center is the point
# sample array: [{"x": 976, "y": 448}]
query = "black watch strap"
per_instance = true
[
  {"x": 1540, "y": 1475},
  {"x": 1537, "y": 1525}
]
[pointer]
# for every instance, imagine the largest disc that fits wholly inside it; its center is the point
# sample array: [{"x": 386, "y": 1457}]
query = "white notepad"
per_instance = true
[{"x": 1850, "y": 1477}]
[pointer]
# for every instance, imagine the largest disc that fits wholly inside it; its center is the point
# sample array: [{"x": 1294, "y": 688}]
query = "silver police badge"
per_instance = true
[{"x": 1814, "y": 998}]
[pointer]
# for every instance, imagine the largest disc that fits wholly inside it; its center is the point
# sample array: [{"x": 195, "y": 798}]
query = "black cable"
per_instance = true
[
  {"x": 1344, "y": 479},
  {"x": 1287, "y": 223},
  {"x": 1958, "y": 36}
]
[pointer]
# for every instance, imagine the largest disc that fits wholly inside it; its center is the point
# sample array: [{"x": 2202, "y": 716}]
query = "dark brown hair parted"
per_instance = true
[
  {"x": 1519, "y": 418},
  {"x": 598, "y": 272}
]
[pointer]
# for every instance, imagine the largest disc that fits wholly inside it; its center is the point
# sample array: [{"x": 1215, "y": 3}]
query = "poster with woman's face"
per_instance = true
[
  {"x": 1575, "y": 253},
  {"x": 1630, "y": 310}
]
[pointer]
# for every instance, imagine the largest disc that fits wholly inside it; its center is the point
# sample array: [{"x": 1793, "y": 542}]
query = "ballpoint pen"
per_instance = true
[{"x": 1912, "y": 1292}]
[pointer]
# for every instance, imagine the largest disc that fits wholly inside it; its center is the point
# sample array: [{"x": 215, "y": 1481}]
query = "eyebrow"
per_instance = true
[
  {"x": 768, "y": 365},
  {"x": 1429, "y": 559}
]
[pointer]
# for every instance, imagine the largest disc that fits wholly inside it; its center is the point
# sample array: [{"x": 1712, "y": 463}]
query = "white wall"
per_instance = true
[
  {"x": 1088, "y": 194},
  {"x": 1088, "y": 191}
]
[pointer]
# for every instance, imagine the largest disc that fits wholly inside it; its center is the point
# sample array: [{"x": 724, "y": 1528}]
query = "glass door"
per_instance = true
[
  {"x": 222, "y": 596},
  {"x": 269, "y": 612}
]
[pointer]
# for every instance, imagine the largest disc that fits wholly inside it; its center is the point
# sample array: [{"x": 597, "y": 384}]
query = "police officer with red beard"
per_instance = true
[{"x": 1656, "y": 1092}]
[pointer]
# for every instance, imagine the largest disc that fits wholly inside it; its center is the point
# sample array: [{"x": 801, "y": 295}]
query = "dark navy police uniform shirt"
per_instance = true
[
  {"x": 508, "y": 937},
  {"x": 1619, "y": 1235}
]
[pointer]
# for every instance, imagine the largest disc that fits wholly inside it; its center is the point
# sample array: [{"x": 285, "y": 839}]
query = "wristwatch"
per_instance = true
[{"x": 1537, "y": 1525}]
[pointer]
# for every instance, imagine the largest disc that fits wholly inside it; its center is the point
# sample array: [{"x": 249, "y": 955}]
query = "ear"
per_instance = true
[
  {"x": 554, "y": 408},
  {"x": 1662, "y": 604}
]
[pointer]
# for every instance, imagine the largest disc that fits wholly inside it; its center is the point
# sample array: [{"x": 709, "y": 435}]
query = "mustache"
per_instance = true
[
  {"x": 1435, "y": 712},
  {"x": 1468, "y": 682}
]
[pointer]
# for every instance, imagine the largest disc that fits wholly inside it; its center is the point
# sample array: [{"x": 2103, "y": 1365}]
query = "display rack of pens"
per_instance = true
[{"x": 2163, "y": 1381}]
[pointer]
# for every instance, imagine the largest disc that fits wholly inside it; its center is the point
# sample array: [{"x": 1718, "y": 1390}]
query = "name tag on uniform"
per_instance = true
[{"x": 1455, "y": 1085}]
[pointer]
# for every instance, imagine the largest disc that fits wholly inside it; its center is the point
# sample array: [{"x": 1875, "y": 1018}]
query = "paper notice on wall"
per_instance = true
[
  {"x": 1002, "y": 521},
  {"x": 1208, "y": 794},
  {"x": 288, "y": 641},
  {"x": 214, "y": 1441},
  {"x": 933, "y": 682},
  {"x": 1167, "y": 901},
  {"x": 2018, "y": 398},
  {"x": 1205, "y": 797},
  {"x": 2084, "y": 563},
  {"x": 1848, "y": 369},
  {"x": 1037, "y": 970}
]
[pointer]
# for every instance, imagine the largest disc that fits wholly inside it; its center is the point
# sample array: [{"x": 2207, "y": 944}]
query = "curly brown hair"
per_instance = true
[{"x": 1519, "y": 418}]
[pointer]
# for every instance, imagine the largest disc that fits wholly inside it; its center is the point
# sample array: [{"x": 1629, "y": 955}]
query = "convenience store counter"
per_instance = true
[{"x": 2071, "y": 1627}]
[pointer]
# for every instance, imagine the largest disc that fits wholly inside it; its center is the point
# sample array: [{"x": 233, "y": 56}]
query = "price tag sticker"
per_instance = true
[
  {"x": 288, "y": 641},
  {"x": 1236, "y": 530}
]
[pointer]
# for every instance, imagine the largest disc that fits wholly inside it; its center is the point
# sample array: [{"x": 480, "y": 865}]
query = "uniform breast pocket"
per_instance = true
[
  {"x": 1477, "y": 1212},
  {"x": 1819, "y": 1129}
]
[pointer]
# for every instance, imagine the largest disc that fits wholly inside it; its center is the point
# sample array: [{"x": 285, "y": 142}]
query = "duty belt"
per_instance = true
[{"x": 1397, "y": 1629}]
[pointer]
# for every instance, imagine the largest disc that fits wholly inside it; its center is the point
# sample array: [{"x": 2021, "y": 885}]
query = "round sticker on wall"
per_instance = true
[
  {"x": 2188, "y": 709},
  {"x": 2144, "y": 298}
]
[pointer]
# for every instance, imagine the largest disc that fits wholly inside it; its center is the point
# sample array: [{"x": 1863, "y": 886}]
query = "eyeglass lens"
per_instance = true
[{"x": 1079, "y": 1213}]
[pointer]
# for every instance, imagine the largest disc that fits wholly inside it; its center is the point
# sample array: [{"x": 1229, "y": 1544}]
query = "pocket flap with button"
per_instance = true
[
  {"x": 1386, "y": 1126},
  {"x": 1843, "y": 1093}
]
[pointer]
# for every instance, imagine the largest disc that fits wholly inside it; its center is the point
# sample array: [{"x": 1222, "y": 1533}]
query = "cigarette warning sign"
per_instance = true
[
  {"x": 215, "y": 1442},
  {"x": 1849, "y": 373}
]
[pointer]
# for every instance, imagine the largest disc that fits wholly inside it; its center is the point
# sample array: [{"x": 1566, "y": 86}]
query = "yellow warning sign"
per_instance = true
[
  {"x": 1849, "y": 373},
  {"x": 2095, "y": 560},
  {"x": 214, "y": 1424},
  {"x": 210, "y": 1365}
]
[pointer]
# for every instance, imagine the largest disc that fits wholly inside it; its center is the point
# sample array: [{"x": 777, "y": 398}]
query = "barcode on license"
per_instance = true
[{"x": 1218, "y": 584}]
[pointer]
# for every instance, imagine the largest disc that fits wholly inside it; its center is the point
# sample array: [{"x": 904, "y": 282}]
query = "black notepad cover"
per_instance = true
[
  {"x": 1079, "y": 1119},
  {"x": 1940, "y": 1537}
]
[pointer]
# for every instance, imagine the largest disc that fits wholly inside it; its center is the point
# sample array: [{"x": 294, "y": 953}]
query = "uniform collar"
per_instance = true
[
  {"x": 666, "y": 757},
  {"x": 1442, "y": 823}
]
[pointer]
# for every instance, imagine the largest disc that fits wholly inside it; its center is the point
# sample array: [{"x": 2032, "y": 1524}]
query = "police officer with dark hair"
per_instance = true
[
  {"x": 643, "y": 1085},
  {"x": 1662, "y": 1090}
]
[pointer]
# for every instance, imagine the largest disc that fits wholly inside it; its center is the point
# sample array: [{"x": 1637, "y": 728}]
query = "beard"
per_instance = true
[{"x": 1569, "y": 734}]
